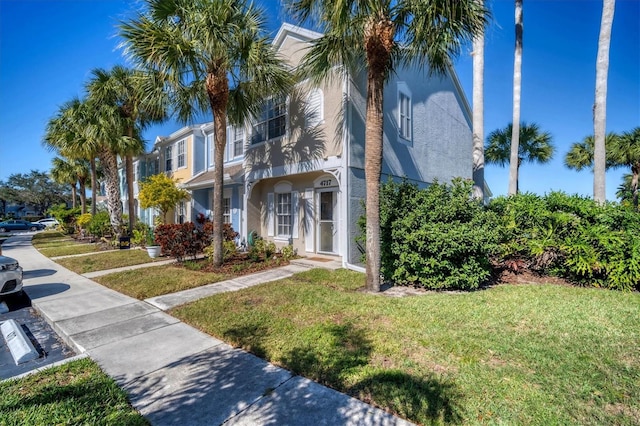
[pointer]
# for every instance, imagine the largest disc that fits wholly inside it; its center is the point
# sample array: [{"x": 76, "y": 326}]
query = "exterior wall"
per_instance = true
[{"x": 440, "y": 147}]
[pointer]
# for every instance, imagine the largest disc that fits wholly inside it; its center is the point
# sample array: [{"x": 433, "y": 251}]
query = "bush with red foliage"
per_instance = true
[{"x": 181, "y": 240}]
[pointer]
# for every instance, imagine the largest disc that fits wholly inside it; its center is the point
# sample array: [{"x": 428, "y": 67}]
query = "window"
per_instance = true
[
  {"x": 404, "y": 116},
  {"x": 136, "y": 173},
  {"x": 314, "y": 110},
  {"x": 283, "y": 215},
  {"x": 181, "y": 160},
  {"x": 226, "y": 210},
  {"x": 271, "y": 123},
  {"x": 168, "y": 159},
  {"x": 238, "y": 142},
  {"x": 210, "y": 145}
]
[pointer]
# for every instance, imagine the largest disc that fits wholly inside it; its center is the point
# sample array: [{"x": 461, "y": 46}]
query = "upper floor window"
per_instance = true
[
  {"x": 181, "y": 156},
  {"x": 168, "y": 159},
  {"x": 314, "y": 109},
  {"x": 404, "y": 116},
  {"x": 272, "y": 121},
  {"x": 237, "y": 148}
]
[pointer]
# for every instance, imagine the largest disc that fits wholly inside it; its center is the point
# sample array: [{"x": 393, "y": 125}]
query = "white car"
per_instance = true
[
  {"x": 10, "y": 276},
  {"x": 49, "y": 222}
]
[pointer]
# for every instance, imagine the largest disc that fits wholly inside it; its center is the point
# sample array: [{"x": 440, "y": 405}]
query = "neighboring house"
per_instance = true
[{"x": 295, "y": 174}]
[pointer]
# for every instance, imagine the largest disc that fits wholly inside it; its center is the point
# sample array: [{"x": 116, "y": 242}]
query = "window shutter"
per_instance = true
[
  {"x": 270, "y": 214},
  {"x": 294, "y": 218},
  {"x": 315, "y": 113},
  {"x": 309, "y": 220}
]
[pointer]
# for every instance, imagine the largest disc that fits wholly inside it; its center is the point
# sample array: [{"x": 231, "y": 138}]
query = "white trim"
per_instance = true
[
  {"x": 270, "y": 215},
  {"x": 293, "y": 169},
  {"x": 403, "y": 90},
  {"x": 294, "y": 214},
  {"x": 309, "y": 220},
  {"x": 289, "y": 29}
]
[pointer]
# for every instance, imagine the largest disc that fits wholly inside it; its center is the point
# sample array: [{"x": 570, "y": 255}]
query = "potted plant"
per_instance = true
[{"x": 152, "y": 247}]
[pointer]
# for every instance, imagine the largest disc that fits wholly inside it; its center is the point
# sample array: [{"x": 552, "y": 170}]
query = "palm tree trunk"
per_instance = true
[
  {"x": 114, "y": 203},
  {"x": 74, "y": 195},
  {"x": 478, "y": 115},
  {"x": 218, "y": 91},
  {"x": 517, "y": 86},
  {"x": 94, "y": 185},
  {"x": 83, "y": 195},
  {"x": 600, "y": 105},
  {"x": 635, "y": 171},
  {"x": 130, "y": 199}
]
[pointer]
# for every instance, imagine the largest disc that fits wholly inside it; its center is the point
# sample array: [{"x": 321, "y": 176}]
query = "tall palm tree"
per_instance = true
[
  {"x": 140, "y": 99},
  {"x": 535, "y": 146},
  {"x": 600, "y": 104},
  {"x": 380, "y": 36},
  {"x": 478, "y": 114},
  {"x": 514, "y": 163},
  {"x": 65, "y": 134},
  {"x": 62, "y": 171},
  {"x": 215, "y": 57},
  {"x": 624, "y": 151}
]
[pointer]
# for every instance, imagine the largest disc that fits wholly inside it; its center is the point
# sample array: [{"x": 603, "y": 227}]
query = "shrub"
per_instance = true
[
  {"x": 180, "y": 240},
  {"x": 100, "y": 224},
  {"x": 437, "y": 238},
  {"x": 229, "y": 250},
  {"x": 572, "y": 237},
  {"x": 83, "y": 220},
  {"x": 288, "y": 252},
  {"x": 261, "y": 250}
]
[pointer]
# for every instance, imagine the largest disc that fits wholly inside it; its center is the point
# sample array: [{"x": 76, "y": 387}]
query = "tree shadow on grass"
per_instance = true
[{"x": 340, "y": 352}]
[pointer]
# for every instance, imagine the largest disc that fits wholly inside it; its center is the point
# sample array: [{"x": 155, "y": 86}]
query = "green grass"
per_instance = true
[
  {"x": 75, "y": 393},
  {"x": 157, "y": 280},
  {"x": 512, "y": 354},
  {"x": 55, "y": 243},
  {"x": 107, "y": 260}
]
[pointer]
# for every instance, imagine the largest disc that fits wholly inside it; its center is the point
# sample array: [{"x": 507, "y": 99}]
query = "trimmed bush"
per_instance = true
[{"x": 437, "y": 238}]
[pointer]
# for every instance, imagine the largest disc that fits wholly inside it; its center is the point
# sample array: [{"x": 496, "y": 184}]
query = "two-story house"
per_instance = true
[
  {"x": 295, "y": 174},
  {"x": 304, "y": 160}
]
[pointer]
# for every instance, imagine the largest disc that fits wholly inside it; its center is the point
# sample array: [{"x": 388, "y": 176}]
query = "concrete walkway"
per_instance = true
[{"x": 173, "y": 373}]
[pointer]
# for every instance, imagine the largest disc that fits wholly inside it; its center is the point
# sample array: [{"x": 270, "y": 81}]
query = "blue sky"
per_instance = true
[{"x": 48, "y": 48}]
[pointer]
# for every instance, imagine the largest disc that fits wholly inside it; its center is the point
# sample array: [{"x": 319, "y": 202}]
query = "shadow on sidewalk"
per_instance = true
[{"x": 37, "y": 291}]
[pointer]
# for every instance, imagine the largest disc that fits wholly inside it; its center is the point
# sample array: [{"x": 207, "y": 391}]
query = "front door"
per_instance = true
[{"x": 327, "y": 224}]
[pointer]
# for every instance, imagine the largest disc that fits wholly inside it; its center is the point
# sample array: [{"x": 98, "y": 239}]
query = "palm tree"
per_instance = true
[
  {"x": 600, "y": 104},
  {"x": 514, "y": 162},
  {"x": 625, "y": 193},
  {"x": 65, "y": 134},
  {"x": 580, "y": 155},
  {"x": 62, "y": 171},
  {"x": 215, "y": 57},
  {"x": 478, "y": 114},
  {"x": 624, "y": 151},
  {"x": 380, "y": 36},
  {"x": 140, "y": 99},
  {"x": 535, "y": 146}
]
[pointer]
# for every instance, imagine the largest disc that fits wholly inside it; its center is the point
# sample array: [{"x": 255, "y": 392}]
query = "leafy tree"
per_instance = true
[
  {"x": 35, "y": 189},
  {"x": 535, "y": 146},
  {"x": 70, "y": 172},
  {"x": 215, "y": 57},
  {"x": 515, "y": 151},
  {"x": 380, "y": 36},
  {"x": 600, "y": 103},
  {"x": 160, "y": 192}
]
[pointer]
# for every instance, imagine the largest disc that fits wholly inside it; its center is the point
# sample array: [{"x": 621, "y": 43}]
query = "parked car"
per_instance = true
[
  {"x": 17, "y": 225},
  {"x": 49, "y": 222},
  {"x": 10, "y": 276}
]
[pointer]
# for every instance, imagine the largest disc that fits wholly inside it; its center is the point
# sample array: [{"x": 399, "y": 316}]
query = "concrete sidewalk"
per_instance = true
[{"x": 173, "y": 373}]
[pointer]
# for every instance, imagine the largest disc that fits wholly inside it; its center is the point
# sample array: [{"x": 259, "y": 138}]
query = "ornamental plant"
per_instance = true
[{"x": 162, "y": 193}]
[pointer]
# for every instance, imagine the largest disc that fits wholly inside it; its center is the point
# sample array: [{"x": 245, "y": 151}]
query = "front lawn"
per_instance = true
[
  {"x": 157, "y": 280},
  {"x": 107, "y": 260},
  {"x": 75, "y": 393},
  {"x": 54, "y": 243},
  {"x": 511, "y": 354}
]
